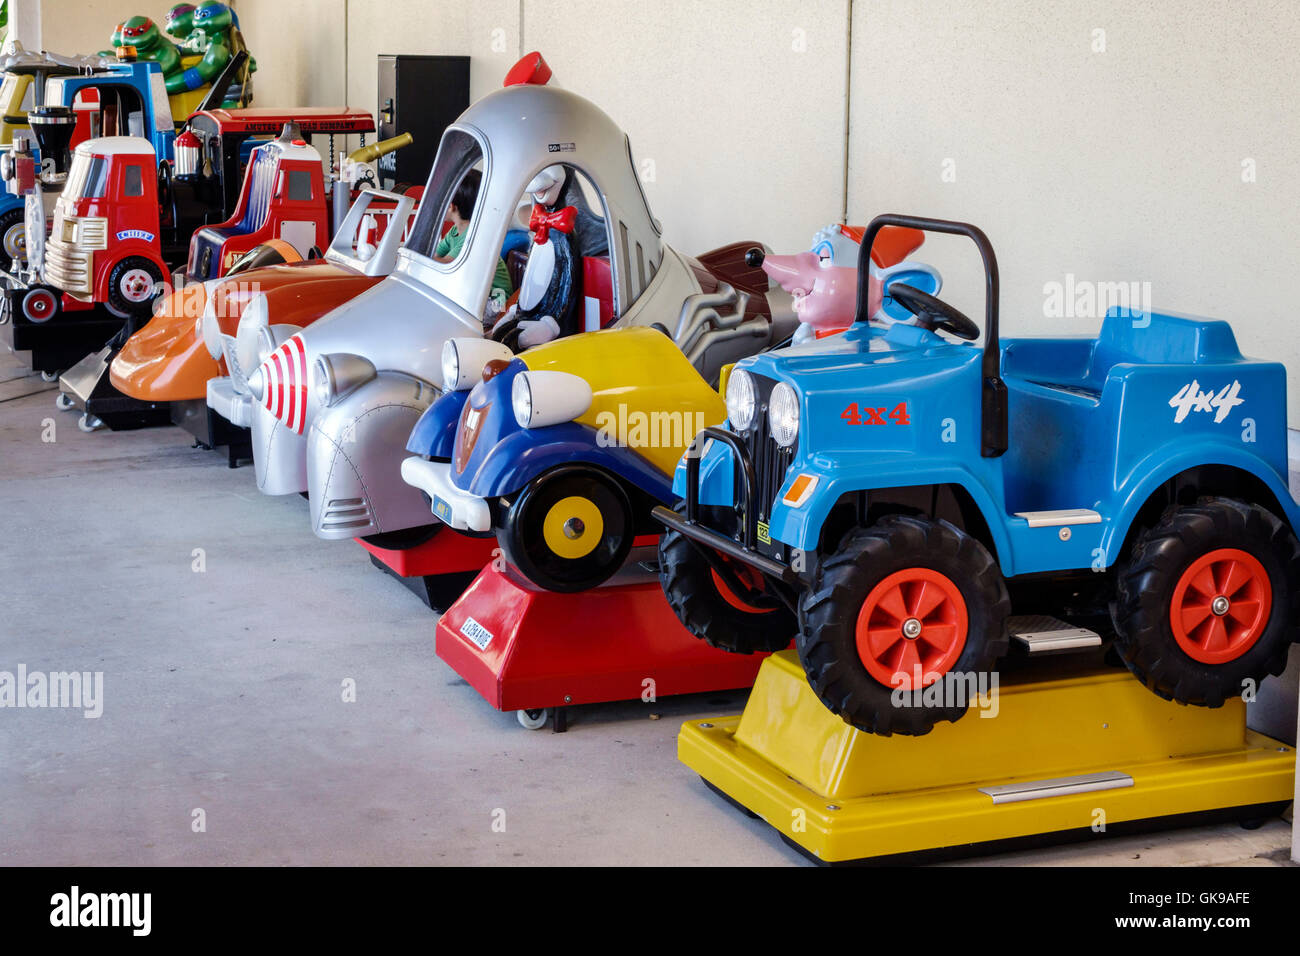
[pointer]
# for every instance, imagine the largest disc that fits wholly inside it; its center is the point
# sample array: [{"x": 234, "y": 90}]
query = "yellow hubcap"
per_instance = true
[{"x": 573, "y": 527}]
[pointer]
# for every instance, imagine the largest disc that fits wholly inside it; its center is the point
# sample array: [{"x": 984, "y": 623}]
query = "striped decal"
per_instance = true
[{"x": 285, "y": 375}]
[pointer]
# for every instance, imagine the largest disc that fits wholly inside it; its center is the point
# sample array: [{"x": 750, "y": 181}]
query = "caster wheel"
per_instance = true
[
  {"x": 49, "y": 376},
  {"x": 63, "y": 402},
  {"x": 533, "y": 719},
  {"x": 89, "y": 423}
]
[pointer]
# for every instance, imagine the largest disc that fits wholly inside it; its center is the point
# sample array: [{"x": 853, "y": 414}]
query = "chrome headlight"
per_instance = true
[
  {"x": 207, "y": 328},
  {"x": 337, "y": 374},
  {"x": 463, "y": 360},
  {"x": 783, "y": 415},
  {"x": 253, "y": 343},
  {"x": 742, "y": 399},
  {"x": 547, "y": 398}
]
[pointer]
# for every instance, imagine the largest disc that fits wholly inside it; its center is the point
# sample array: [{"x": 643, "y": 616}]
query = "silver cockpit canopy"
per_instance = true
[{"x": 513, "y": 134}]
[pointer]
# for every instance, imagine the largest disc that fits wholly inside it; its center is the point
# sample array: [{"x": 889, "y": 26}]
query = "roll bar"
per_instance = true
[{"x": 993, "y": 392}]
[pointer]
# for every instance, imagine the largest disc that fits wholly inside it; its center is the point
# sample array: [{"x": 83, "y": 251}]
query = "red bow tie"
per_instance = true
[{"x": 541, "y": 222}]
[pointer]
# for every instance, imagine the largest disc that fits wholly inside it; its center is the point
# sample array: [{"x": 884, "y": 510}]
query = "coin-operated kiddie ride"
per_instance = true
[
  {"x": 119, "y": 104},
  {"x": 194, "y": 353},
  {"x": 559, "y": 455},
  {"x": 931, "y": 517},
  {"x": 338, "y": 401},
  {"x": 283, "y": 200},
  {"x": 80, "y": 100}
]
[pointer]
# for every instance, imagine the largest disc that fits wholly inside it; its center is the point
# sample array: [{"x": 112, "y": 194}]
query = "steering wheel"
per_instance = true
[{"x": 931, "y": 313}]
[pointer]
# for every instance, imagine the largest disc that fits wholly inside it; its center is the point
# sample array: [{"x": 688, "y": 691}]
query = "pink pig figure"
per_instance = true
[{"x": 824, "y": 280}]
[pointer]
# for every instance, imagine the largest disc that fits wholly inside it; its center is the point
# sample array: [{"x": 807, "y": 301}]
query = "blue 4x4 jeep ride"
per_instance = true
[{"x": 889, "y": 494}]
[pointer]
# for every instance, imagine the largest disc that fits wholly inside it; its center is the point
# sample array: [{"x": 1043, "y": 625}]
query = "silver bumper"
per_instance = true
[
  {"x": 453, "y": 507},
  {"x": 229, "y": 404}
]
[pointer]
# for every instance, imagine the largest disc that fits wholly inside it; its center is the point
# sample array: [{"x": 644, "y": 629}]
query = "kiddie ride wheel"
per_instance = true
[
  {"x": 569, "y": 530},
  {"x": 897, "y": 607},
  {"x": 132, "y": 287},
  {"x": 1208, "y": 601},
  {"x": 533, "y": 719},
  {"x": 724, "y": 602}
]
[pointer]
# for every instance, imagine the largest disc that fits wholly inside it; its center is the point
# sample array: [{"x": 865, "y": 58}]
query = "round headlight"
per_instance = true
[
  {"x": 323, "y": 383},
  {"x": 208, "y": 328},
  {"x": 450, "y": 365},
  {"x": 521, "y": 400},
  {"x": 742, "y": 399},
  {"x": 783, "y": 415}
]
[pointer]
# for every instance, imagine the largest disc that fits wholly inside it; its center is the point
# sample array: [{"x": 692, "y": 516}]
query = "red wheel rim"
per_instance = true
[
  {"x": 1221, "y": 606},
  {"x": 40, "y": 305},
  {"x": 914, "y": 622},
  {"x": 749, "y": 576}
]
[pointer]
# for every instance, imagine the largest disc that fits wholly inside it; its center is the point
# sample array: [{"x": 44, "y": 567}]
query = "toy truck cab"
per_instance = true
[
  {"x": 892, "y": 497},
  {"x": 128, "y": 99},
  {"x": 103, "y": 242}
]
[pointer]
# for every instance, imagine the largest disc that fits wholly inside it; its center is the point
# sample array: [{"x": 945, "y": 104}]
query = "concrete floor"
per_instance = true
[{"x": 223, "y": 693}]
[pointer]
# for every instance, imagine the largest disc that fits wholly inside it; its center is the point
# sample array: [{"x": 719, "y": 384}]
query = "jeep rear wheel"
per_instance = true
[
  {"x": 132, "y": 287},
  {"x": 753, "y": 621},
  {"x": 569, "y": 530},
  {"x": 901, "y": 605},
  {"x": 1208, "y": 602}
]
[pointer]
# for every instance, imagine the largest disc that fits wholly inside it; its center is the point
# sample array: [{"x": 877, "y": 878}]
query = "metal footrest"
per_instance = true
[{"x": 1041, "y": 634}]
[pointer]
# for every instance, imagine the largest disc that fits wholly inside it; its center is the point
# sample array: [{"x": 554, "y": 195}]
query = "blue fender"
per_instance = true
[
  {"x": 434, "y": 435},
  {"x": 1135, "y": 493},
  {"x": 526, "y": 454}
]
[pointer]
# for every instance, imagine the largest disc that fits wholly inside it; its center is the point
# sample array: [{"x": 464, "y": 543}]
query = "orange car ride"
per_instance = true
[{"x": 187, "y": 352}]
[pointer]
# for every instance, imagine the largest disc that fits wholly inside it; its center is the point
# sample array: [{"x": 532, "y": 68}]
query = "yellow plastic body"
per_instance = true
[
  {"x": 646, "y": 395},
  {"x": 368, "y": 154},
  {"x": 15, "y": 88},
  {"x": 844, "y": 795}
]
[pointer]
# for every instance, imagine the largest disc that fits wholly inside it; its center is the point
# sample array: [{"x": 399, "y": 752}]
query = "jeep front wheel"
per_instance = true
[
  {"x": 900, "y": 607},
  {"x": 1208, "y": 602},
  {"x": 751, "y": 621}
]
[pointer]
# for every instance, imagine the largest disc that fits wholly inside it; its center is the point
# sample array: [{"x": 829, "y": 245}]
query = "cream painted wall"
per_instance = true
[
  {"x": 1122, "y": 164},
  {"x": 83, "y": 26}
]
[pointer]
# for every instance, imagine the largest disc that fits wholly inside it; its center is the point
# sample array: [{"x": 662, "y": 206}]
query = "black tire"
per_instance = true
[
  {"x": 692, "y": 588},
  {"x": 828, "y": 615},
  {"x": 1147, "y": 584},
  {"x": 523, "y": 537},
  {"x": 126, "y": 273},
  {"x": 13, "y": 236}
]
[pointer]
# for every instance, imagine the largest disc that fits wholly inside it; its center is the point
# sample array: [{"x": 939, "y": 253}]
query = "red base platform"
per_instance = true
[
  {"x": 524, "y": 648},
  {"x": 437, "y": 570}
]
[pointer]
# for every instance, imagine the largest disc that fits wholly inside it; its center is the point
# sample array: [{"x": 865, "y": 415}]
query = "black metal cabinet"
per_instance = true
[{"x": 420, "y": 95}]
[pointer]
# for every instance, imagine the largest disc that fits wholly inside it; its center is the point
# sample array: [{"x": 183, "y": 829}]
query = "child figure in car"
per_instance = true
[{"x": 459, "y": 213}]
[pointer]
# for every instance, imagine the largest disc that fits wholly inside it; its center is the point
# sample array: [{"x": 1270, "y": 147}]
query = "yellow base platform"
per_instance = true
[{"x": 1090, "y": 752}]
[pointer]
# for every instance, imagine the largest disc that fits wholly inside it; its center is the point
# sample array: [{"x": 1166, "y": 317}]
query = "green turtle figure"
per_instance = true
[
  {"x": 150, "y": 44},
  {"x": 179, "y": 22},
  {"x": 216, "y": 35}
]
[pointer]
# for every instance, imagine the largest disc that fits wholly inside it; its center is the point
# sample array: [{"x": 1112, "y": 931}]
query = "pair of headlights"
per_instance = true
[
  {"x": 539, "y": 398},
  {"x": 782, "y": 407}
]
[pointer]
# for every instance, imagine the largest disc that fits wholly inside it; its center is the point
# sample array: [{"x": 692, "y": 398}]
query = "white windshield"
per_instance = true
[{"x": 86, "y": 178}]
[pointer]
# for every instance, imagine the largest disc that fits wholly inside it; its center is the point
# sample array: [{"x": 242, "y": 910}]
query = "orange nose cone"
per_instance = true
[{"x": 166, "y": 361}]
